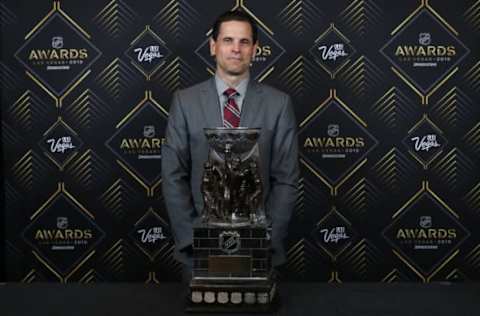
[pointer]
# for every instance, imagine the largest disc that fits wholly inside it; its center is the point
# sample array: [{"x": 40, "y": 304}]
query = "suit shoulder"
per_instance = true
[
  {"x": 276, "y": 98},
  {"x": 273, "y": 92},
  {"x": 195, "y": 89}
]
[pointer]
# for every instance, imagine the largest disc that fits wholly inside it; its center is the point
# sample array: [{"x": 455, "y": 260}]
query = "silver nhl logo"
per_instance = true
[
  {"x": 425, "y": 221},
  {"x": 229, "y": 241},
  {"x": 57, "y": 42}
]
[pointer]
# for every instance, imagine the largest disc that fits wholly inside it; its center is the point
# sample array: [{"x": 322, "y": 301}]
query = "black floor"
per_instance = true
[{"x": 405, "y": 299}]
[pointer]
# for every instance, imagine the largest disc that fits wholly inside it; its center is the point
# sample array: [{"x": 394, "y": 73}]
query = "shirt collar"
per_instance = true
[{"x": 222, "y": 86}]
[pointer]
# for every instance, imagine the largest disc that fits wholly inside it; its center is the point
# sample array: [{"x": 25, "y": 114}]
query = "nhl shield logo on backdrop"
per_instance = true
[{"x": 229, "y": 241}]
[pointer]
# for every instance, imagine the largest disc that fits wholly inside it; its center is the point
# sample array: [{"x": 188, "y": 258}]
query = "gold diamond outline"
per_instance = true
[
  {"x": 147, "y": 98},
  {"x": 77, "y": 267},
  {"x": 428, "y": 278},
  {"x": 425, "y": 188},
  {"x": 59, "y": 121},
  {"x": 56, "y": 8},
  {"x": 333, "y": 211},
  {"x": 157, "y": 252},
  {"x": 318, "y": 175},
  {"x": 61, "y": 189},
  {"x": 424, "y": 5},
  {"x": 42, "y": 261},
  {"x": 332, "y": 97},
  {"x": 154, "y": 70},
  {"x": 333, "y": 188},
  {"x": 437, "y": 129},
  {"x": 333, "y": 28}
]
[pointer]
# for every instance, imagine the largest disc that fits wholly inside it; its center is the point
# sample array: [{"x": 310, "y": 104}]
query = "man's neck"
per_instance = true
[{"x": 232, "y": 80}]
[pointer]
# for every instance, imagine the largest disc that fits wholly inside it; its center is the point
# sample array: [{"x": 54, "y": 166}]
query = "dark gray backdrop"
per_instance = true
[{"x": 373, "y": 206}]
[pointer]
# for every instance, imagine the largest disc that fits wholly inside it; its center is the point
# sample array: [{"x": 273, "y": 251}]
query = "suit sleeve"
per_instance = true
[
  {"x": 176, "y": 162},
  {"x": 284, "y": 177}
]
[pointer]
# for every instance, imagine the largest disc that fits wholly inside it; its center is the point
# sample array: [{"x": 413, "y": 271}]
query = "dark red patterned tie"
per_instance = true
[{"x": 231, "y": 113}]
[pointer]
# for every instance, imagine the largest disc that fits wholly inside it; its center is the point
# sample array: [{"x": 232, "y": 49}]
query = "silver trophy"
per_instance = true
[
  {"x": 231, "y": 241},
  {"x": 231, "y": 184}
]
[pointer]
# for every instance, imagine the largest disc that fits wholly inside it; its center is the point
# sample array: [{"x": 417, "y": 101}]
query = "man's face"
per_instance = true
[{"x": 234, "y": 48}]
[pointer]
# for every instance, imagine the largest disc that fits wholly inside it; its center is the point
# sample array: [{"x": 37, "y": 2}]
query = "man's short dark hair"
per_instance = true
[{"x": 236, "y": 15}]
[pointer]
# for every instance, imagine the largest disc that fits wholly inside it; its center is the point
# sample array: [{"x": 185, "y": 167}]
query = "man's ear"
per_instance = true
[{"x": 212, "y": 46}]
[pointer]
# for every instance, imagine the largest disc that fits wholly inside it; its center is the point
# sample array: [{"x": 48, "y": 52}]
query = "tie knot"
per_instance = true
[{"x": 230, "y": 93}]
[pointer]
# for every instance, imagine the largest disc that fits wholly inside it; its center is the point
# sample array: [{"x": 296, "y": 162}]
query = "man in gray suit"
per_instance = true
[{"x": 229, "y": 99}]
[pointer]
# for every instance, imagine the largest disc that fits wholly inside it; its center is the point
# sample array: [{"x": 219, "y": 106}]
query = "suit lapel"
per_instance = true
[
  {"x": 211, "y": 104},
  {"x": 250, "y": 107}
]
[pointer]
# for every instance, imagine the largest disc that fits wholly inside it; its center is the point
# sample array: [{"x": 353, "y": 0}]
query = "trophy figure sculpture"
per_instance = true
[{"x": 231, "y": 240}]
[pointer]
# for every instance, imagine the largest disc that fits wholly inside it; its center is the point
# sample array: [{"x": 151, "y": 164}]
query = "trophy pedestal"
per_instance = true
[{"x": 231, "y": 270}]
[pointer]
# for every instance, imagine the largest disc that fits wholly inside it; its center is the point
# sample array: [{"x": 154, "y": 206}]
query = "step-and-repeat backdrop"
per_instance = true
[{"x": 386, "y": 98}]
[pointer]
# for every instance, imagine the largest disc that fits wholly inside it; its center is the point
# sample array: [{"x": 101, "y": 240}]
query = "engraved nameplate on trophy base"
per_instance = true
[{"x": 231, "y": 241}]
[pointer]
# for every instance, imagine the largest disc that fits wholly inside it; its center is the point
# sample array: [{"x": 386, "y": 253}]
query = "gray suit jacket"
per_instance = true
[{"x": 186, "y": 150}]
